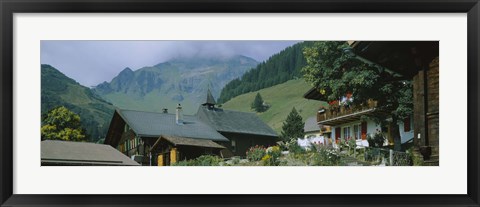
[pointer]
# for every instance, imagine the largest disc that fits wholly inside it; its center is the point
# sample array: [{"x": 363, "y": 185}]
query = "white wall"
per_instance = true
[
  {"x": 372, "y": 129},
  {"x": 316, "y": 134}
]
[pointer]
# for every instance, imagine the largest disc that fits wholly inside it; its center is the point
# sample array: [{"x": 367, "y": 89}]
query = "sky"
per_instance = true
[{"x": 93, "y": 62}]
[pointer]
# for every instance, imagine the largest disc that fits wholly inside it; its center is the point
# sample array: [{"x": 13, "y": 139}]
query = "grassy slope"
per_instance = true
[
  {"x": 60, "y": 90},
  {"x": 282, "y": 98}
]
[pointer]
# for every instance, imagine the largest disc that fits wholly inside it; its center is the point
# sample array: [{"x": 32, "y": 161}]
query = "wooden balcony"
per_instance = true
[{"x": 339, "y": 114}]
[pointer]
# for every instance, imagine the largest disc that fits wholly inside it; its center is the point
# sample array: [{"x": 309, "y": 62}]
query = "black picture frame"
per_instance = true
[{"x": 10, "y": 7}]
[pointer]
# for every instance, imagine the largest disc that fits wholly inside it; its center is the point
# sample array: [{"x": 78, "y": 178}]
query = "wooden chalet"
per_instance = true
[
  {"x": 134, "y": 133},
  {"x": 161, "y": 138},
  {"x": 417, "y": 61},
  {"x": 410, "y": 60}
]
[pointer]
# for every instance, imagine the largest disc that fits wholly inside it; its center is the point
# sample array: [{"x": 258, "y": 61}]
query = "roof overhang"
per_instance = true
[
  {"x": 314, "y": 94},
  {"x": 184, "y": 141},
  {"x": 86, "y": 162},
  {"x": 403, "y": 57}
]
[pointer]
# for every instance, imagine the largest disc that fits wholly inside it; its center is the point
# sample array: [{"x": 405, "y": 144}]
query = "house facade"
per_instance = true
[
  {"x": 417, "y": 61},
  {"x": 352, "y": 122}
]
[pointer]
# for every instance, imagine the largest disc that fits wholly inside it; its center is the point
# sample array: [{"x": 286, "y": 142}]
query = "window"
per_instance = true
[
  {"x": 346, "y": 132},
  {"x": 357, "y": 133},
  {"x": 234, "y": 146}
]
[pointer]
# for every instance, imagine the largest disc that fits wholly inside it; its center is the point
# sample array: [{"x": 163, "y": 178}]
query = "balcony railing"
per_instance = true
[{"x": 337, "y": 111}]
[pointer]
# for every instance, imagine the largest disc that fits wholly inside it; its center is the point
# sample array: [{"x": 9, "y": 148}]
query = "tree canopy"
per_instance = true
[
  {"x": 335, "y": 73},
  {"x": 62, "y": 124},
  {"x": 293, "y": 126}
]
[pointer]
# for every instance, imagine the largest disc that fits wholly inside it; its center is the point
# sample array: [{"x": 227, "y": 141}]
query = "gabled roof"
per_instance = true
[
  {"x": 55, "y": 152},
  {"x": 152, "y": 124},
  {"x": 311, "y": 125},
  {"x": 210, "y": 100},
  {"x": 235, "y": 122}
]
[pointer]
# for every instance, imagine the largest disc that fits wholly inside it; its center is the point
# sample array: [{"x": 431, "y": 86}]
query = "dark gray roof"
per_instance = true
[
  {"x": 311, "y": 124},
  {"x": 152, "y": 124},
  {"x": 81, "y": 153},
  {"x": 235, "y": 121},
  {"x": 210, "y": 100},
  {"x": 181, "y": 141}
]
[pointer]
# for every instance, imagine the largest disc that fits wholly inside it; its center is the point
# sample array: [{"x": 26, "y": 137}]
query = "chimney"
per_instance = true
[
  {"x": 179, "y": 115},
  {"x": 165, "y": 110}
]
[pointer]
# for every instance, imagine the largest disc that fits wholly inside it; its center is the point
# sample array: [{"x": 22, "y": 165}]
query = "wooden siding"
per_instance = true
[{"x": 243, "y": 142}]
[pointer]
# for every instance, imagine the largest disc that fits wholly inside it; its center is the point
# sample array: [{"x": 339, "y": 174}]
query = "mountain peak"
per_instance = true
[
  {"x": 178, "y": 79},
  {"x": 127, "y": 69}
]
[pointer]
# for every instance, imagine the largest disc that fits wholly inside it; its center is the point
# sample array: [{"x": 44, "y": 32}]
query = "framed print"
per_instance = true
[{"x": 315, "y": 103}]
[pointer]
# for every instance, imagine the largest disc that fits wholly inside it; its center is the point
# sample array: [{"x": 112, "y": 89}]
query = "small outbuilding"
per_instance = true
[{"x": 66, "y": 153}]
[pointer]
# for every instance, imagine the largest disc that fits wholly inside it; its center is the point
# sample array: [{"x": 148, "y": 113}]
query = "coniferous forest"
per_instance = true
[{"x": 279, "y": 68}]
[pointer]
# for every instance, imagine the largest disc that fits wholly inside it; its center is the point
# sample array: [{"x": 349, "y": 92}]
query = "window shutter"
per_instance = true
[
  {"x": 406, "y": 125},
  {"x": 364, "y": 130},
  {"x": 337, "y": 134}
]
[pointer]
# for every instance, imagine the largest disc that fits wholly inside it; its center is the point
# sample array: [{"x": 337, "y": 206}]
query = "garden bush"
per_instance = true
[
  {"x": 326, "y": 156},
  {"x": 293, "y": 146},
  {"x": 376, "y": 140},
  {"x": 204, "y": 160},
  {"x": 256, "y": 153},
  {"x": 272, "y": 156}
]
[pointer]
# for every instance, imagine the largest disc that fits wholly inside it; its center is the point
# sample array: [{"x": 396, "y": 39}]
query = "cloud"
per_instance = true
[{"x": 92, "y": 62}]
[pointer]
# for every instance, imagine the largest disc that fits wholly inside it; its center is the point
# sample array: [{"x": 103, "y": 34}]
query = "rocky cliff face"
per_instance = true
[{"x": 180, "y": 80}]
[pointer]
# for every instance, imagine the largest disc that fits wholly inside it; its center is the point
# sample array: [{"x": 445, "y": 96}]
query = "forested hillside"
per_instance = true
[
  {"x": 279, "y": 68},
  {"x": 281, "y": 103},
  {"x": 60, "y": 90}
]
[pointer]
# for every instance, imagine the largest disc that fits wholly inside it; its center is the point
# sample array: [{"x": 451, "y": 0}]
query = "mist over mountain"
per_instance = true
[{"x": 182, "y": 80}]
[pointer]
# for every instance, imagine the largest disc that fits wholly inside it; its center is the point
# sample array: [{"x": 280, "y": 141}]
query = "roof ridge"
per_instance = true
[
  {"x": 152, "y": 112},
  {"x": 222, "y": 109}
]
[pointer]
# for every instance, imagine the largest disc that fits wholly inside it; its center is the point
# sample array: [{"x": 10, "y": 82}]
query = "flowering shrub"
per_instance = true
[
  {"x": 326, "y": 157},
  {"x": 342, "y": 144},
  {"x": 256, "y": 153},
  {"x": 272, "y": 155},
  {"x": 293, "y": 147},
  {"x": 333, "y": 103},
  {"x": 351, "y": 142}
]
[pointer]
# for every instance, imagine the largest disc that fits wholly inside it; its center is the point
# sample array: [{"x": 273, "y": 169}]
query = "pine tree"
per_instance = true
[
  {"x": 257, "y": 103},
  {"x": 293, "y": 126}
]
